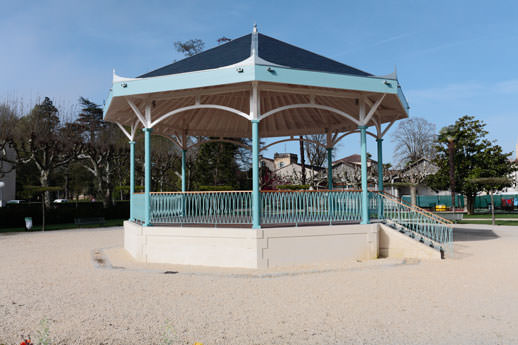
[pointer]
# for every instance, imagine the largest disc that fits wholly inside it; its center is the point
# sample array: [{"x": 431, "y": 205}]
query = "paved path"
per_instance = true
[{"x": 470, "y": 299}]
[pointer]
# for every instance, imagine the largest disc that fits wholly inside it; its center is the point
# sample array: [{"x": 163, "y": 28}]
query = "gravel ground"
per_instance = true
[{"x": 469, "y": 299}]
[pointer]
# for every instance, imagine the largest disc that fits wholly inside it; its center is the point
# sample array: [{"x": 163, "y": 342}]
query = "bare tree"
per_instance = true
[
  {"x": 316, "y": 154},
  {"x": 190, "y": 47},
  {"x": 414, "y": 174},
  {"x": 302, "y": 159},
  {"x": 8, "y": 121},
  {"x": 42, "y": 139},
  {"x": 414, "y": 139},
  {"x": 103, "y": 147}
]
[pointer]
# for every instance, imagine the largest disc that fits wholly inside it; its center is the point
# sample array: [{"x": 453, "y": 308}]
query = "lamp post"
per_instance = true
[{"x": 451, "y": 151}]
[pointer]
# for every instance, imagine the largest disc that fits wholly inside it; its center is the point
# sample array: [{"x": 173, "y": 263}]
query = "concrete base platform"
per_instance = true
[
  {"x": 248, "y": 248},
  {"x": 264, "y": 248}
]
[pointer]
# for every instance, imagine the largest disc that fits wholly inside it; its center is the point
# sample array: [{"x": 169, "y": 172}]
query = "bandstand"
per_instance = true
[{"x": 258, "y": 87}]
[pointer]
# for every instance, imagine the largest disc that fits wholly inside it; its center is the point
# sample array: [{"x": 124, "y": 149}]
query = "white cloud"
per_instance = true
[{"x": 466, "y": 90}]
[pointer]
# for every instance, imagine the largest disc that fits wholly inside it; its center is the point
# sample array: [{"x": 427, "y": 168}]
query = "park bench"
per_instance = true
[{"x": 89, "y": 221}]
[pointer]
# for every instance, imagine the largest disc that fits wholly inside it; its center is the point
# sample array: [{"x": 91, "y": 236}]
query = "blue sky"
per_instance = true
[{"x": 453, "y": 57}]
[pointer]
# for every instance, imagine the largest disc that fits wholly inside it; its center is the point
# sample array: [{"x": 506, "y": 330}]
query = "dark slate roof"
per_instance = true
[
  {"x": 289, "y": 55},
  {"x": 220, "y": 56},
  {"x": 269, "y": 48}
]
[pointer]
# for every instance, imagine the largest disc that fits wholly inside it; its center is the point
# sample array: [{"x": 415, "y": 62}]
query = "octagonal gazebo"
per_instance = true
[{"x": 253, "y": 87}]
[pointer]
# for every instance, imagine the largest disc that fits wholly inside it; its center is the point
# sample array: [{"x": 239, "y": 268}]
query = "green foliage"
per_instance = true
[
  {"x": 215, "y": 188},
  {"x": 44, "y": 333},
  {"x": 293, "y": 186},
  {"x": 30, "y": 191},
  {"x": 474, "y": 157},
  {"x": 216, "y": 165}
]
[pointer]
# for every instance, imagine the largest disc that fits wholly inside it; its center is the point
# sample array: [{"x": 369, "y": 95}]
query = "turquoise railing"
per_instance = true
[
  {"x": 138, "y": 207},
  {"x": 297, "y": 207},
  {"x": 422, "y": 225},
  {"x": 294, "y": 207},
  {"x": 228, "y": 207}
]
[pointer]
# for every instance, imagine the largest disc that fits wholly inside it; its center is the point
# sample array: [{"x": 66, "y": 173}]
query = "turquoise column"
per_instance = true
[
  {"x": 256, "y": 197},
  {"x": 380, "y": 164},
  {"x": 183, "y": 171},
  {"x": 132, "y": 177},
  {"x": 380, "y": 176},
  {"x": 147, "y": 176},
  {"x": 330, "y": 168},
  {"x": 365, "y": 192}
]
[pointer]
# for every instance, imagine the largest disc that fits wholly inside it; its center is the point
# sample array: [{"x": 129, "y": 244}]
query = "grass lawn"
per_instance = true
[
  {"x": 484, "y": 221},
  {"x": 488, "y": 215},
  {"x": 49, "y": 227}
]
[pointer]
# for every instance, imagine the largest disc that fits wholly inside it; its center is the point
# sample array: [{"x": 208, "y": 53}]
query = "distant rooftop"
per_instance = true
[{"x": 353, "y": 159}]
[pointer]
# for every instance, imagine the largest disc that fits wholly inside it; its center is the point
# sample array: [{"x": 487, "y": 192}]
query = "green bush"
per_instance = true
[
  {"x": 215, "y": 188},
  {"x": 293, "y": 186}
]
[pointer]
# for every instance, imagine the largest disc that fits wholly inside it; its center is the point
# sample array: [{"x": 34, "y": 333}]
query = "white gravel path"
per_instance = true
[{"x": 470, "y": 299}]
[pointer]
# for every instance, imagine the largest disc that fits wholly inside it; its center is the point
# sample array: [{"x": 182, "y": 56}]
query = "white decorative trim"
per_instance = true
[{"x": 118, "y": 79}]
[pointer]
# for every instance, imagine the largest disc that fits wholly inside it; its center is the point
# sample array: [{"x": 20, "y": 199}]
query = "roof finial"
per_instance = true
[{"x": 255, "y": 28}]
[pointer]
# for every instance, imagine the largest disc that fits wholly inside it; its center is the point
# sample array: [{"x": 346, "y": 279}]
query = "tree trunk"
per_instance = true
[
  {"x": 470, "y": 205},
  {"x": 302, "y": 160},
  {"x": 44, "y": 182},
  {"x": 413, "y": 195},
  {"x": 492, "y": 208}
]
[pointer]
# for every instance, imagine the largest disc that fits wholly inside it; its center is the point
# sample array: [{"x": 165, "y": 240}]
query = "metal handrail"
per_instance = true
[
  {"x": 417, "y": 208},
  {"x": 422, "y": 226}
]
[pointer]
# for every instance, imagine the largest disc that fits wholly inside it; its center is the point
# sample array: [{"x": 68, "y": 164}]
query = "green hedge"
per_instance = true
[
  {"x": 215, "y": 188},
  {"x": 13, "y": 215},
  {"x": 293, "y": 186}
]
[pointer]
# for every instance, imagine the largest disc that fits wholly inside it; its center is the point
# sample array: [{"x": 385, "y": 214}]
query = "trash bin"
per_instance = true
[{"x": 28, "y": 223}]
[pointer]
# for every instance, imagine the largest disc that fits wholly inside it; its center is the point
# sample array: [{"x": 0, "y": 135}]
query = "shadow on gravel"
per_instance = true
[{"x": 463, "y": 234}]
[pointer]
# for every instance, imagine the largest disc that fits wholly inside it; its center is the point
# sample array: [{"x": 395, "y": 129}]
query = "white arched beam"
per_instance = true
[
  {"x": 292, "y": 139},
  {"x": 133, "y": 130},
  {"x": 138, "y": 113},
  {"x": 381, "y": 133},
  {"x": 310, "y": 105},
  {"x": 174, "y": 139},
  {"x": 374, "y": 107},
  {"x": 336, "y": 140},
  {"x": 145, "y": 118},
  {"x": 199, "y": 106}
]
